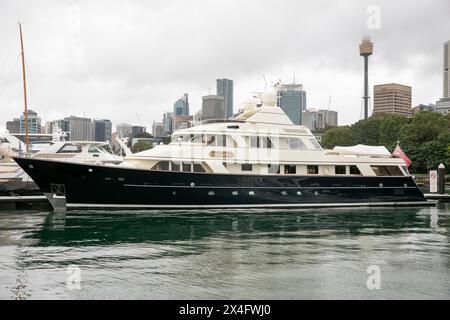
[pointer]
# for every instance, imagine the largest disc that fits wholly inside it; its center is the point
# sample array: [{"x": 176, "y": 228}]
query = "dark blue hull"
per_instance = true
[{"x": 100, "y": 186}]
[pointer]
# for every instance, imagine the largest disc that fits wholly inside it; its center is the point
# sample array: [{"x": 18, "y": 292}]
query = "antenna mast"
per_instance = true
[{"x": 24, "y": 87}]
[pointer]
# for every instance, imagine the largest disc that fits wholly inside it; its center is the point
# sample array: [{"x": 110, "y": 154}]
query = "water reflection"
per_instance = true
[{"x": 226, "y": 253}]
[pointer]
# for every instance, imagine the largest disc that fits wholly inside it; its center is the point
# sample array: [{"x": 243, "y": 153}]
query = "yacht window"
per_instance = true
[
  {"x": 188, "y": 137},
  {"x": 198, "y": 138},
  {"x": 387, "y": 170},
  {"x": 315, "y": 144},
  {"x": 290, "y": 169},
  {"x": 161, "y": 165},
  {"x": 312, "y": 169},
  {"x": 394, "y": 171},
  {"x": 107, "y": 148},
  {"x": 246, "y": 167},
  {"x": 176, "y": 166},
  {"x": 254, "y": 142},
  {"x": 295, "y": 144},
  {"x": 354, "y": 170},
  {"x": 93, "y": 149},
  {"x": 222, "y": 141},
  {"x": 274, "y": 168},
  {"x": 198, "y": 167},
  {"x": 211, "y": 141},
  {"x": 340, "y": 170},
  {"x": 265, "y": 142},
  {"x": 69, "y": 148},
  {"x": 380, "y": 170},
  {"x": 186, "y": 167}
]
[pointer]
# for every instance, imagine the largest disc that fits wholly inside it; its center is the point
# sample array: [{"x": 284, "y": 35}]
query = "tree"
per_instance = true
[
  {"x": 141, "y": 146},
  {"x": 338, "y": 136}
]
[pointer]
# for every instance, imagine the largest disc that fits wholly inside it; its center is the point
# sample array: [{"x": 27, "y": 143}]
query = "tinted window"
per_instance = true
[
  {"x": 296, "y": 144},
  {"x": 198, "y": 167},
  {"x": 340, "y": 170},
  {"x": 246, "y": 167},
  {"x": 187, "y": 166},
  {"x": 315, "y": 144},
  {"x": 274, "y": 168},
  {"x": 69, "y": 148},
  {"x": 254, "y": 142},
  {"x": 162, "y": 165},
  {"x": 312, "y": 169},
  {"x": 354, "y": 170},
  {"x": 176, "y": 166},
  {"x": 289, "y": 169},
  {"x": 380, "y": 170}
]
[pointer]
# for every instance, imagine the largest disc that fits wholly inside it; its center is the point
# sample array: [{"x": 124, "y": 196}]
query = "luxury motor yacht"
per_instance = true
[{"x": 258, "y": 159}]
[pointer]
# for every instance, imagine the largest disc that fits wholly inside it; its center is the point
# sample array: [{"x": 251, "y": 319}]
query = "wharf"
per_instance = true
[
  {"x": 441, "y": 197},
  {"x": 35, "y": 202}
]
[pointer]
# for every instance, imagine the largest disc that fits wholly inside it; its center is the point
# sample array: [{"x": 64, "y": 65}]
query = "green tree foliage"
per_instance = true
[
  {"x": 425, "y": 138},
  {"x": 337, "y": 136},
  {"x": 141, "y": 146}
]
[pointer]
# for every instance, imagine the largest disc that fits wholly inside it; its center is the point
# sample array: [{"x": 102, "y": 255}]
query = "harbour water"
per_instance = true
[{"x": 227, "y": 254}]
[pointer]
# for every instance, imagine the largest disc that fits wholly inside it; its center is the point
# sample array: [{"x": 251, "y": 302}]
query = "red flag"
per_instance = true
[{"x": 398, "y": 152}]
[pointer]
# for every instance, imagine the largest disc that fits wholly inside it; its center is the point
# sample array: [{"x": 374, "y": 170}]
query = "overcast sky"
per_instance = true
[{"x": 129, "y": 61}]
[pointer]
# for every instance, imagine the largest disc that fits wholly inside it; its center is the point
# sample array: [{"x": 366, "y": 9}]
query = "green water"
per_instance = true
[{"x": 226, "y": 254}]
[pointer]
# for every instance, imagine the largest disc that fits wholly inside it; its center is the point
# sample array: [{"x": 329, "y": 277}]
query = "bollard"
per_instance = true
[{"x": 441, "y": 179}]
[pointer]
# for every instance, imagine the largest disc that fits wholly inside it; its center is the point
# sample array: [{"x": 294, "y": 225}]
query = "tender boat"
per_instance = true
[{"x": 259, "y": 159}]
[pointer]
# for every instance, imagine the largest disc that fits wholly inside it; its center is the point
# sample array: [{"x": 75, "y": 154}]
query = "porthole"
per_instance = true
[
  {"x": 316, "y": 193},
  {"x": 380, "y": 185},
  {"x": 174, "y": 193},
  {"x": 121, "y": 179},
  {"x": 192, "y": 184},
  {"x": 211, "y": 193},
  {"x": 31, "y": 166},
  {"x": 107, "y": 178},
  {"x": 284, "y": 193},
  {"x": 252, "y": 193},
  {"x": 235, "y": 193},
  {"x": 90, "y": 170},
  {"x": 405, "y": 185},
  {"x": 299, "y": 193}
]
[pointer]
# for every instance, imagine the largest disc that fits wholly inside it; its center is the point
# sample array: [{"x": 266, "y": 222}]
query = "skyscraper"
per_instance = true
[
  {"x": 292, "y": 99},
  {"x": 443, "y": 105},
  {"x": 80, "y": 128},
  {"x": 181, "y": 106},
  {"x": 213, "y": 107},
  {"x": 102, "y": 130},
  {"x": 168, "y": 123},
  {"x": 34, "y": 122},
  {"x": 225, "y": 90},
  {"x": 446, "y": 67},
  {"x": 319, "y": 119},
  {"x": 392, "y": 98}
]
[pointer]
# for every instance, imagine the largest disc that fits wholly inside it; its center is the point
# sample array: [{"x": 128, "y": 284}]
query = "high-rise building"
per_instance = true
[
  {"x": 181, "y": 106},
  {"x": 213, "y": 107},
  {"x": 225, "y": 90},
  {"x": 102, "y": 130},
  {"x": 34, "y": 122},
  {"x": 123, "y": 130},
  {"x": 392, "y": 98},
  {"x": 421, "y": 107},
  {"x": 158, "y": 129},
  {"x": 13, "y": 126},
  {"x": 168, "y": 123},
  {"x": 80, "y": 128},
  {"x": 443, "y": 105},
  {"x": 317, "y": 119},
  {"x": 135, "y": 130},
  {"x": 292, "y": 99},
  {"x": 182, "y": 122},
  {"x": 446, "y": 70}
]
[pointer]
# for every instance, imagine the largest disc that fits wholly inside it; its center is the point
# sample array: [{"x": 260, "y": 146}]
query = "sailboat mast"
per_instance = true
[{"x": 24, "y": 87}]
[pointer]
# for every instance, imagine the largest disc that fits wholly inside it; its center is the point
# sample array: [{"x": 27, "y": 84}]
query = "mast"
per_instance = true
[{"x": 24, "y": 88}]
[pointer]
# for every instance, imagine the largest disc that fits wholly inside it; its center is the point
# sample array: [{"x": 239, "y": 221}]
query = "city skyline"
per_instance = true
[{"x": 78, "y": 68}]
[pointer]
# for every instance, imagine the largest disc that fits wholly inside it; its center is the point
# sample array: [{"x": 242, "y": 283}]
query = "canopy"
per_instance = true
[{"x": 362, "y": 149}]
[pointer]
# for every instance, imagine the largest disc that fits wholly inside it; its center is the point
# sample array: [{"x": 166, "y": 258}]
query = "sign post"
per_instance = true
[{"x": 433, "y": 181}]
